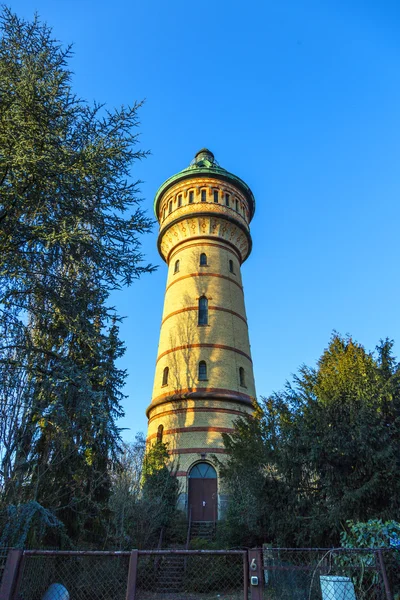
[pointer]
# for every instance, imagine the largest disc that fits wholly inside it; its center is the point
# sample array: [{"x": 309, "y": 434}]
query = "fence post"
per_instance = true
[
  {"x": 384, "y": 575},
  {"x": 10, "y": 574},
  {"x": 256, "y": 569},
  {"x": 245, "y": 576},
  {"x": 132, "y": 573}
]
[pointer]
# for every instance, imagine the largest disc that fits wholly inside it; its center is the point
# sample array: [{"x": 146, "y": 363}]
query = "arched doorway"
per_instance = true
[{"x": 203, "y": 498}]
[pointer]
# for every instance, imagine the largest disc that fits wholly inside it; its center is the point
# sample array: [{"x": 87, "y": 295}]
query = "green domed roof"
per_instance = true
[{"x": 204, "y": 163}]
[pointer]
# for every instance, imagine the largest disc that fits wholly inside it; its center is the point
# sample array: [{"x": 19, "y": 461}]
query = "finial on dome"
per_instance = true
[{"x": 204, "y": 154}]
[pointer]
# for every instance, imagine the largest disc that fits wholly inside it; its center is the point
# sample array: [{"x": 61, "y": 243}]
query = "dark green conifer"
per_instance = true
[{"x": 70, "y": 222}]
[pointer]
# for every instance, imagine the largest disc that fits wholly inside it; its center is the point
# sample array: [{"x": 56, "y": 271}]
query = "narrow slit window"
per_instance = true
[
  {"x": 242, "y": 377},
  {"x": 191, "y": 197},
  {"x": 176, "y": 268},
  {"x": 237, "y": 205},
  {"x": 227, "y": 199},
  {"x": 215, "y": 195},
  {"x": 203, "y": 311},
  {"x": 203, "y": 259},
  {"x": 165, "y": 376},
  {"x": 170, "y": 207},
  {"x": 203, "y": 195},
  {"x": 160, "y": 431},
  {"x": 202, "y": 370},
  {"x": 231, "y": 267},
  {"x": 164, "y": 212},
  {"x": 179, "y": 200}
]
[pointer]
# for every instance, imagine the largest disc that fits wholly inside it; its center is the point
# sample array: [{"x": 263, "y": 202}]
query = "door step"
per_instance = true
[{"x": 203, "y": 529}]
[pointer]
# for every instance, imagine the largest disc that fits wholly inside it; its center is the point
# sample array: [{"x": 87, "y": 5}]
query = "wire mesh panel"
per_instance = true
[
  {"x": 391, "y": 562},
  {"x": 3, "y": 559},
  {"x": 318, "y": 574},
  {"x": 190, "y": 575},
  {"x": 73, "y": 576}
]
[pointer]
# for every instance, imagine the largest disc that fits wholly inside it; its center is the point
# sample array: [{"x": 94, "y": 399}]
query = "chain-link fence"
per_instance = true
[
  {"x": 391, "y": 565},
  {"x": 140, "y": 575},
  {"x": 191, "y": 575},
  {"x": 75, "y": 575},
  {"x": 329, "y": 574},
  {"x": 3, "y": 558},
  {"x": 267, "y": 574}
]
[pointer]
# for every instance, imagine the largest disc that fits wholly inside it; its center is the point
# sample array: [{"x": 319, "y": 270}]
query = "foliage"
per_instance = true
[
  {"x": 373, "y": 534},
  {"x": 69, "y": 234},
  {"x": 125, "y": 503},
  {"x": 323, "y": 451},
  {"x": 30, "y": 525},
  {"x": 144, "y": 497},
  {"x": 198, "y": 543},
  {"x": 160, "y": 486}
]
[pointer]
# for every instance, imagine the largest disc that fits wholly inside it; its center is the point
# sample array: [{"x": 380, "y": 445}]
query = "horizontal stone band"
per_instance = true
[
  {"x": 189, "y": 308},
  {"x": 191, "y": 409},
  {"x": 203, "y": 275},
  {"x": 193, "y": 429},
  {"x": 218, "y": 394},
  {"x": 190, "y": 346},
  {"x": 197, "y": 451},
  {"x": 235, "y": 253}
]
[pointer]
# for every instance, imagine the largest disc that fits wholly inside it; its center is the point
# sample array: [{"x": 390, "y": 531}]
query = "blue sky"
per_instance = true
[{"x": 301, "y": 99}]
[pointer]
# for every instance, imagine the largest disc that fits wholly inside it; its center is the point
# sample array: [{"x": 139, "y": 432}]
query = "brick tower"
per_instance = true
[{"x": 204, "y": 375}]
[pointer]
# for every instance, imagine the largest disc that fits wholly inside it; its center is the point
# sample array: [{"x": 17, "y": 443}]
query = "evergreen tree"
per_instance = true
[
  {"x": 323, "y": 451},
  {"x": 69, "y": 232}
]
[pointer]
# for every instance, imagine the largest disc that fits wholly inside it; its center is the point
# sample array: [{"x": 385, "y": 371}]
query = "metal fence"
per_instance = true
[
  {"x": 183, "y": 575},
  {"x": 3, "y": 558},
  {"x": 329, "y": 574},
  {"x": 257, "y": 574}
]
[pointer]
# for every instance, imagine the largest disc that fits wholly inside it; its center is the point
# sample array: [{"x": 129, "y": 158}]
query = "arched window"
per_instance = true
[
  {"x": 203, "y": 259},
  {"x": 203, "y": 195},
  {"x": 215, "y": 195},
  {"x": 160, "y": 432},
  {"x": 170, "y": 207},
  {"x": 165, "y": 376},
  {"x": 203, "y": 471},
  {"x": 191, "y": 197},
  {"x": 164, "y": 212},
  {"x": 231, "y": 267},
  {"x": 227, "y": 199},
  {"x": 179, "y": 200},
  {"x": 176, "y": 268},
  {"x": 241, "y": 377},
  {"x": 202, "y": 370},
  {"x": 203, "y": 311}
]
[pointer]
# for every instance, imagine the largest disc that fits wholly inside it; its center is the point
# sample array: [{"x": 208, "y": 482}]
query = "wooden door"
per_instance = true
[{"x": 203, "y": 493}]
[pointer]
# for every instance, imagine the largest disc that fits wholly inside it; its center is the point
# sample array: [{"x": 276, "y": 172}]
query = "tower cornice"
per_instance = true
[{"x": 198, "y": 170}]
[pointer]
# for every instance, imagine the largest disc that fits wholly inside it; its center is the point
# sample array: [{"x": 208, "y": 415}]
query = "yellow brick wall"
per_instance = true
[{"x": 226, "y": 327}]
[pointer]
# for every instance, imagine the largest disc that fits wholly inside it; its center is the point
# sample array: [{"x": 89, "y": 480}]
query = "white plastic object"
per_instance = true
[{"x": 334, "y": 587}]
